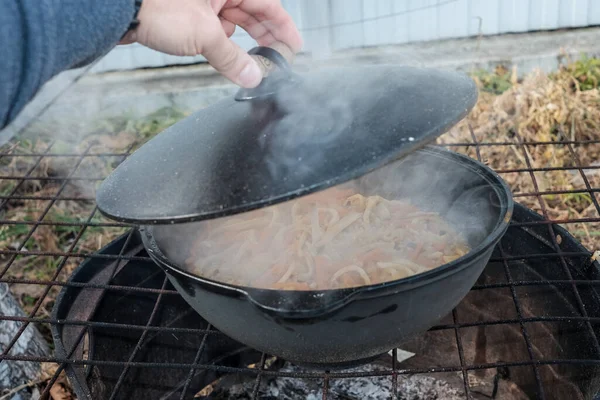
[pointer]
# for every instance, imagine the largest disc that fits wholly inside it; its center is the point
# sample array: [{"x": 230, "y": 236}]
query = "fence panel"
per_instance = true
[{"x": 335, "y": 25}]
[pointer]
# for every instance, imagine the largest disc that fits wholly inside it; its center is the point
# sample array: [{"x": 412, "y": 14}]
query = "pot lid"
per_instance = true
[{"x": 291, "y": 136}]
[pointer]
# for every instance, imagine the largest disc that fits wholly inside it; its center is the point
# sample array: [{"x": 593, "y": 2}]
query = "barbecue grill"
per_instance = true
[{"x": 529, "y": 325}]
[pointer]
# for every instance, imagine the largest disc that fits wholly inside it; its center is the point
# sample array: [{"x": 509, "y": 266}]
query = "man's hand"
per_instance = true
[{"x": 193, "y": 27}]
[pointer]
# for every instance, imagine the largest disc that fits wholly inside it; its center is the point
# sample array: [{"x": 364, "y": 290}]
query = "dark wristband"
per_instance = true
[{"x": 135, "y": 22}]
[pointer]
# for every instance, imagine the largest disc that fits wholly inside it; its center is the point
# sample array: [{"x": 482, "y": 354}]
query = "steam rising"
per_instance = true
[
  {"x": 346, "y": 118},
  {"x": 310, "y": 122},
  {"x": 311, "y": 128},
  {"x": 431, "y": 182}
]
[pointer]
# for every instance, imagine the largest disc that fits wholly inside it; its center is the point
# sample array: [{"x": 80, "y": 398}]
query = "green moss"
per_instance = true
[
  {"x": 496, "y": 82},
  {"x": 586, "y": 71}
]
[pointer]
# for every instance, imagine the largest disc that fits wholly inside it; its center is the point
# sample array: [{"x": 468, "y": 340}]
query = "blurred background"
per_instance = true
[
  {"x": 337, "y": 25},
  {"x": 467, "y": 35}
]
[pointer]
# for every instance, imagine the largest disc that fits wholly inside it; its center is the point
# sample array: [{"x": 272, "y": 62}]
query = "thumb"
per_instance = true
[{"x": 231, "y": 60}]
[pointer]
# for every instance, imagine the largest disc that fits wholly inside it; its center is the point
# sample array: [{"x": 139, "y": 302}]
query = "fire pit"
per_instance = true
[
  {"x": 519, "y": 334},
  {"x": 528, "y": 328}
]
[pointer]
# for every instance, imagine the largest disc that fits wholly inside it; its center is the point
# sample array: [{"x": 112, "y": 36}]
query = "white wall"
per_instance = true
[{"x": 333, "y": 25}]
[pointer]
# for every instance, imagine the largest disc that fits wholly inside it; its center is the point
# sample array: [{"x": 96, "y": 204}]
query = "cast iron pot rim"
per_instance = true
[{"x": 390, "y": 287}]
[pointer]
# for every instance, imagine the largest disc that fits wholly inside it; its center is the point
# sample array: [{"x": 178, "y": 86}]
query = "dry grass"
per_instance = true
[
  {"x": 542, "y": 108},
  {"x": 560, "y": 107},
  {"x": 112, "y": 136}
]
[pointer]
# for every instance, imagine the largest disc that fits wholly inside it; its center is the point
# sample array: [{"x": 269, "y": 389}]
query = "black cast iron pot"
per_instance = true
[
  {"x": 299, "y": 134},
  {"x": 337, "y": 328}
]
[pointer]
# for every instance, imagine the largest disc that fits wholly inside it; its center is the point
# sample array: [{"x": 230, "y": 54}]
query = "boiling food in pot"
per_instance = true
[{"x": 330, "y": 240}]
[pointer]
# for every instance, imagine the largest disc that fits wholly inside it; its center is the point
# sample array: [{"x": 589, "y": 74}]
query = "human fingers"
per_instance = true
[
  {"x": 230, "y": 60},
  {"x": 228, "y": 26},
  {"x": 258, "y": 17}
]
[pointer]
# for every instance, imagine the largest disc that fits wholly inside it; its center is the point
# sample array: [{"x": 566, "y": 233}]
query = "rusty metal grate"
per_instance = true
[
  {"x": 11, "y": 255},
  {"x": 61, "y": 257}
]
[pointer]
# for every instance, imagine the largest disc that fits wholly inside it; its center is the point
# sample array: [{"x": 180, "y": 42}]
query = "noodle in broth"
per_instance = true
[{"x": 330, "y": 240}]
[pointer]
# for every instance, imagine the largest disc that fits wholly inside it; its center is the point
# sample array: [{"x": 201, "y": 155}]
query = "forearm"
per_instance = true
[{"x": 41, "y": 38}]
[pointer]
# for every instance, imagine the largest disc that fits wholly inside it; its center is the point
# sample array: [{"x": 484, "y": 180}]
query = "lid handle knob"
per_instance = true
[
  {"x": 274, "y": 62},
  {"x": 277, "y": 55}
]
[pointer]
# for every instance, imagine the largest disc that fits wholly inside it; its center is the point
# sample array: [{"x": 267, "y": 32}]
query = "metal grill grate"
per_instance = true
[{"x": 78, "y": 228}]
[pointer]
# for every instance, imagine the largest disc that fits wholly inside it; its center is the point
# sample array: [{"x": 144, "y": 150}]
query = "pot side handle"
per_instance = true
[{"x": 299, "y": 304}]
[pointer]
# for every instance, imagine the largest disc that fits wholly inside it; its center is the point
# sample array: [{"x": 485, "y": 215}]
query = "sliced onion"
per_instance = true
[
  {"x": 315, "y": 227},
  {"x": 372, "y": 201},
  {"x": 338, "y": 228},
  {"x": 335, "y": 216},
  {"x": 288, "y": 273},
  {"x": 310, "y": 267},
  {"x": 357, "y": 201},
  {"x": 352, "y": 268},
  {"x": 416, "y": 268}
]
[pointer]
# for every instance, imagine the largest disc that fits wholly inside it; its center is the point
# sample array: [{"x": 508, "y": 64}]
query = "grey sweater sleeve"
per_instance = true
[{"x": 40, "y": 38}]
